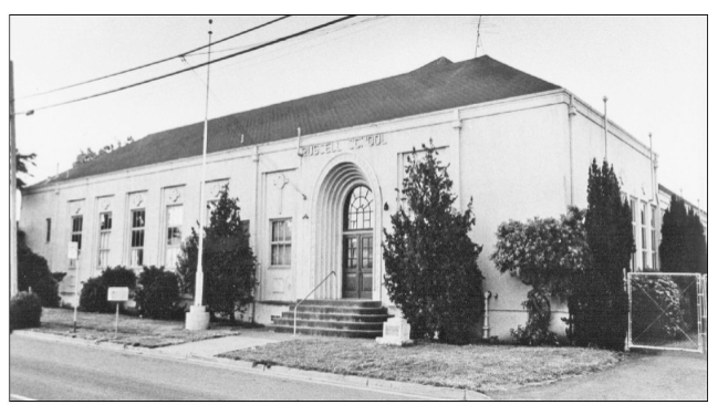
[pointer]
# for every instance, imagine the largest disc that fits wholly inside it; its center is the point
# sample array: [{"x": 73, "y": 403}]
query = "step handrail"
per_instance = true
[{"x": 305, "y": 298}]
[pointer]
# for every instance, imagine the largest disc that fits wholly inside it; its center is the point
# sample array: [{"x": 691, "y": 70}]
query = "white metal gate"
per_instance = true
[{"x": 667, "y": 311}]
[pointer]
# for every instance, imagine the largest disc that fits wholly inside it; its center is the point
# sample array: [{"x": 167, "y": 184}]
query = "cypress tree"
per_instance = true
[
  {"x": 432, "y": 273},
  {"x": 600, "y": 305}
]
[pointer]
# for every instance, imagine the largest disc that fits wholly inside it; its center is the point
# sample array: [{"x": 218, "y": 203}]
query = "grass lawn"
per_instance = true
[
  {"x": 481, "y": 368},
  {"x": 132, "y": 330}
]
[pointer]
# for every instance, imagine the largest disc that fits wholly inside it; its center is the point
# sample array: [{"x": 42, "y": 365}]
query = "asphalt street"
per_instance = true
[{"x": 48, "y": 370}]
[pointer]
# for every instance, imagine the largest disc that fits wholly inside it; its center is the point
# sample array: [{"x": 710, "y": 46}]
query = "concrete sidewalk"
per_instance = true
[
  {"x": 665, "y": 376},
  {"x": 246, "y": 338}
]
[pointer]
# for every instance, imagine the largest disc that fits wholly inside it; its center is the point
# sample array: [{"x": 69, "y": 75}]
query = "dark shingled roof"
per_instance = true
[{"x": 438, "y": 85}]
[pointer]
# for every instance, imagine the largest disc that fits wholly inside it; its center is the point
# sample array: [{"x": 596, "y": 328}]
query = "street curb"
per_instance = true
[{"x": 423, "y": 390}]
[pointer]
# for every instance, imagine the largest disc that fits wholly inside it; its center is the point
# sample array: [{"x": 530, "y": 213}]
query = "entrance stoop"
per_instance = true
[{"x": 335, "y": 318}]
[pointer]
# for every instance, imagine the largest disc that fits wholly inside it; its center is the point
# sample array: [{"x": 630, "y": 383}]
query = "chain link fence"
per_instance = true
[{"x": 667, "y": 311}]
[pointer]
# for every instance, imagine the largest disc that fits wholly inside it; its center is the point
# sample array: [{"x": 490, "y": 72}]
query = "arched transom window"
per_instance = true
[{"x": 358, "y": 209}]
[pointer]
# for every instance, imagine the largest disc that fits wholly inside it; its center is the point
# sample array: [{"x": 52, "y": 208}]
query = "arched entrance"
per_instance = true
[
  {"x": 358, "y": 244},
  {"x": 346, "y": 230}
]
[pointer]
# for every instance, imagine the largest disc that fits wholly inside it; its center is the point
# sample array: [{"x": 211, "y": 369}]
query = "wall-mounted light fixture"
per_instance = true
[{"x": 386, "y": 206}]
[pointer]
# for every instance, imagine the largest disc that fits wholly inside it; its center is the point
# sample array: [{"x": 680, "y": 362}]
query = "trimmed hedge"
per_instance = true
[
  {"x": 158, "y": 293},
  {"x": 93, "y": 297},
  {"x": 25, "y": 311}
]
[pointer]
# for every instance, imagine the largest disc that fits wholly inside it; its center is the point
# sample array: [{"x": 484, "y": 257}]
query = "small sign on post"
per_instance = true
[{"x": 117, "y": 295}]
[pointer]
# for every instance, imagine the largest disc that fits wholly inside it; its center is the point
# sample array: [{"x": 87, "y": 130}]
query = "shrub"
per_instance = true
[
  {"x": 543, "y": 253},
  {"x": 158, "y": 293},
  {"x": 25, "y": 311},
  {"x": 656, "y": 307},
  {"x": 34, "y": 274},
  {"x": 93, "y": 297},
  {"x": 431, "y": 263}
]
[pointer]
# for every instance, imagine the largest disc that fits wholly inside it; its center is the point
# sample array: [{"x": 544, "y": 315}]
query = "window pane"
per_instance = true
[
  {"x": 48, "y": 222},
  {"x": 275, "y": 231},
  {"x": 288, "y": 230},
  {"x": 105, "y": 221},
  {"x": 174, "y": 236},
  {"x": 136, "y": 257},
  {"x": 171, "y": 256},
  {"x": 78, "y": 239},
  {"x": 138, "y": 219},
  {"x": 174, "y": 215},
  {"x": 287, "y": 255},
  {"x": 104, "y": 241},
  {"x": 275, "y": 255}
]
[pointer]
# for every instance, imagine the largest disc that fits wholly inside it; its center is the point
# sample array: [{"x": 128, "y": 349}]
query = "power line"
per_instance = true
[
  {"x": 147, "y": 81},
  {"x": 158, "y": 61}
]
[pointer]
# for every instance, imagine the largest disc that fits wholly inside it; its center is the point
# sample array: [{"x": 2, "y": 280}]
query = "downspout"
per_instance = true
[
  {"x": 255, "y": 238},
  {"x": 571, "y": 114}
]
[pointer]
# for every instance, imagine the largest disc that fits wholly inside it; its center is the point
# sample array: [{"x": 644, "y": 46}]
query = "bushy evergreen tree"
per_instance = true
[
  {"x": 599, "y": 303},
  {"x": 683, "y": 245},
  {"x": 683, "y": 250},
  {"x": 228, "y": 261},
  {"x": 431, "y": 263}
]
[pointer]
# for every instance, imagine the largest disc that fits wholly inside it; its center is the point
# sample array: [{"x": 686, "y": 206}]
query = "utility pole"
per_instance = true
[{"x": 13, "y": 191}]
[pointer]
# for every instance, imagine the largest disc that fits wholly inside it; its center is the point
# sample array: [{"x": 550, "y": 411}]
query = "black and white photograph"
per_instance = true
[{"x": 362, "y": 208}]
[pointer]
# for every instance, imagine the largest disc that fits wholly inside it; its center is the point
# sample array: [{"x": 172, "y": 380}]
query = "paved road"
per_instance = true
[
  {"x": 46, "y": 370},
  {"x": 663, "y": 376}
]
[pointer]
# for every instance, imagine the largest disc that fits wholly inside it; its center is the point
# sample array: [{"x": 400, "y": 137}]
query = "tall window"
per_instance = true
[
  {"x": 644, "y": 241},
  {"x": 76, "y": 236},
  {"x": 104, "y": 246},
  {"x": 359, "y": 214},
  {"x": 48, "y": 224},
  {"x": 654, "y": 248},
  {"x": 137, "y": 238},
  {"x": 174, "y": 235},
  {"x": 281, "y": 242}
]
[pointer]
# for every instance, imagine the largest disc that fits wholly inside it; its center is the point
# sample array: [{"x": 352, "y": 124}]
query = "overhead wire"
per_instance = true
[
  {"x": 157, "y": 78},
  {"x": 159, "y": 61}
]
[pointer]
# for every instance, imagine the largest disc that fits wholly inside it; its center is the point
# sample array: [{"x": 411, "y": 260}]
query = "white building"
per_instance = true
[{"x": 519, "y": 146}]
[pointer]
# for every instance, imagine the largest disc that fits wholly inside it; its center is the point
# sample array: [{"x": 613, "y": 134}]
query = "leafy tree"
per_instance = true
[
  {"x": 544, "y": 253},
  {"x": 599, "y": 304},
  {"x": 21, "y": 164},
  {"x": 431, "y": 263},
  {"x": 228, "y": 261},
  {"x": 86, "y": 156}
]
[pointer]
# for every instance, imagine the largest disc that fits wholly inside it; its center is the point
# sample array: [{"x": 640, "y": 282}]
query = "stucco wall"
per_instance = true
[{"x": 513, "y": 157}]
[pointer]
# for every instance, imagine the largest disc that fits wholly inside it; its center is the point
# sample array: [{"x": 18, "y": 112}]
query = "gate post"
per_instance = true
[{"x": 627, "y": 280}]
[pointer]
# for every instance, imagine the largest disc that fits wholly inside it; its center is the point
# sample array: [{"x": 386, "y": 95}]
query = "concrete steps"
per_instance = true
[{"x": 338, "y": 318}]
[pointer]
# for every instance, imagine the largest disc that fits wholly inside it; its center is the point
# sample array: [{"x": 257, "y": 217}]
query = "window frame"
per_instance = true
[
  {"x": 166, "y": 236},
  {"x": 102, "y": 231},
  {"x": 283, "y": 243},
  {"x": 76, "y": 233},
  {"x": 133, "y": 229}
]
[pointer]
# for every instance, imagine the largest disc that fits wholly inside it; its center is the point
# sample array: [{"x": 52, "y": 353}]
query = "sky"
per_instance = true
[{"x": 653, "y": 70}]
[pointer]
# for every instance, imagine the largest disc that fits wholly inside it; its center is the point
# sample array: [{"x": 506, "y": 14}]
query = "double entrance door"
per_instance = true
[{"x": 357, "y": 267}]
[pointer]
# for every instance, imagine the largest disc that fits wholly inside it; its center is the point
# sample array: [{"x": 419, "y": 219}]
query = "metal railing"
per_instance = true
[{"x": 308, "y": 295}]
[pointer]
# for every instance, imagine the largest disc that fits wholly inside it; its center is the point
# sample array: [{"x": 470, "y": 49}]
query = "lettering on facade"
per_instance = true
[{"x": 342, "y": 145}]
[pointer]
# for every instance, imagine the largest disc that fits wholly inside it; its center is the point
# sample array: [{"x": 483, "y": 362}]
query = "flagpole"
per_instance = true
[{"x": 198, "y": 317}]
